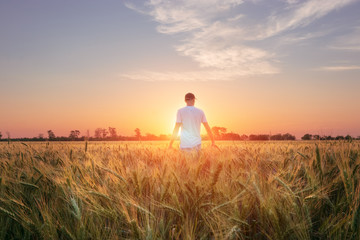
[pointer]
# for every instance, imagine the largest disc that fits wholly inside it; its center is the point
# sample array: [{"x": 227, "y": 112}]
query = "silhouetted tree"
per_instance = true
[
  {"x": 74, "y": 134},
  {"x": 0, "y": 135},
  {"x": 316, "y": 137},
  {"x": 98, "y": 133},
  {"x": 276, "y": 137},
  {"x": 288, "y": 136},
  {"x": 51, "y": 135},
  {"x": 151, "y": 137},
  {"x": 348, "y": 137},
  {"x": 104, "y": 132},
  {"x": 339, "y": 137},
  {"x": 41, "y": 136},
  {"x": 244, "y": 137},
  {"x": 87, "y": 134},
  {"x": 307, "y": 137},
  {"x": 230, "y": 136},
  {"x": 260, "y": 137},
  {"x": 218, "y": 131},
  {"x": 329, "y": 137},
  {"x": 137, "y": 133},
  {"x": 101, "y": 133},
  {"x": 112, "y": 132}
]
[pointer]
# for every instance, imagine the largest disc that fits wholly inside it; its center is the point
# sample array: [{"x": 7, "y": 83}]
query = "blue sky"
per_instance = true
[{"x": 77, "y": 60}]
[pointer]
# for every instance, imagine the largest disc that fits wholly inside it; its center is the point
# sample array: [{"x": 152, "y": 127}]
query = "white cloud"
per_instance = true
[
  {"x": 219, "y": 46},
  {"x": 212, "y": 38},
  {"x": 301, "y": 37},
  {"x": 339, "y": 68},
  {"x": 223, "y": 42},
  {"x": 236, "y": 18},
  {"x": 187, "y": 15},
  {"x": 212, "y": 75},
  {"x": 349, "y": 42},
  {"x": 301, "y": 15},
  {"x": 292, "y": 1}
]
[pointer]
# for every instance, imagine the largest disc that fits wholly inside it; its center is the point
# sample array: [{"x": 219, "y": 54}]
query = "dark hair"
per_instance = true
[{"x": 189, "y": 96}]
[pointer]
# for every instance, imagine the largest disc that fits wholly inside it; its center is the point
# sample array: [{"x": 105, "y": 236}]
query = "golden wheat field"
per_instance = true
[{"x": 141, "y": 190}]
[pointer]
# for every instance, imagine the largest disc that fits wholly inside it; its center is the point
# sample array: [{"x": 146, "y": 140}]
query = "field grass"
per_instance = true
[{"x": 131, "y": 190}]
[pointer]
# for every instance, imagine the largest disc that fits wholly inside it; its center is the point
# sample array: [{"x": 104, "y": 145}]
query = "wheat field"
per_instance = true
[{"x": 141, "y": 190}]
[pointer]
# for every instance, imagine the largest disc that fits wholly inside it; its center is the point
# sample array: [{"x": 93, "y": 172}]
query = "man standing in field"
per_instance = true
[{"x": 189, "y": 118}]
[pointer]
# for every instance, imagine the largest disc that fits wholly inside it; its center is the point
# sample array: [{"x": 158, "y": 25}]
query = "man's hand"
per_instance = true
[{"x": 215, "y": 146}]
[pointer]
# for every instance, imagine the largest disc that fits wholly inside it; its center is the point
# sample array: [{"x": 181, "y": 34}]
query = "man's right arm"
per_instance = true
[{"x": 175, "y": 134}]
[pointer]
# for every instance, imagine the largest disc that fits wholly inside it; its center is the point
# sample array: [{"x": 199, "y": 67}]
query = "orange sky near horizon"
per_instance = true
[{"x": 243, "y": 108}]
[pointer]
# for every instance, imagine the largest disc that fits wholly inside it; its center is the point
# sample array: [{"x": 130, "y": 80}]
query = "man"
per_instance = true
[{"x": 189, "y": 118}]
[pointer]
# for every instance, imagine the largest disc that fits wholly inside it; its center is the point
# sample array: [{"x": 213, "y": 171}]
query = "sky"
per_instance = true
[{"x": 255, "y": 66}]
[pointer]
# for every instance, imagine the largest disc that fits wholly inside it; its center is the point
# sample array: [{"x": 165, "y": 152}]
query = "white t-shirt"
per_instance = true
[{"x": 191, "y": 119}]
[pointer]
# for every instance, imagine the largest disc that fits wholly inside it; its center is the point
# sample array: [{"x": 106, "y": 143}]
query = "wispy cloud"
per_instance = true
[
  {"x": 300, "y": 37},
  {"x": 222, "y": 41},
  {"x": 339, "y": 68},
  {"x": 201, "y": 75},
  {"x": 187, "y": 15},
  {"x": 349, "y": 42},
  {"x": 302, "y": 15}
]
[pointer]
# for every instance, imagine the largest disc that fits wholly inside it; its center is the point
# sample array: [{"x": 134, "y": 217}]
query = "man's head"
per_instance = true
[{"x": 190, "y": 99}]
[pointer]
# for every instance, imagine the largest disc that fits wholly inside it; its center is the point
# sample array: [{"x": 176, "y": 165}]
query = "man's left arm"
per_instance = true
[{"x": 209, "y": 132}]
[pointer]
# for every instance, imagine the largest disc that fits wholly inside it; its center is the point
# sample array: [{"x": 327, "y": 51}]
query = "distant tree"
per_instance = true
[
  {"x": 101, "y": 133},
  {"x": 151, "y": 137},
  {"x": 51, "y": 135},
  {"x": 8, "y": 135},
  {"x": 74, "y": 134},
  {"x": 112, "y": 132},
  {"x": 263, "y": 137},
  {"x": 98, "y": 133},
  {"x": 230, "y": 136},
  {"x": 41, "y": 136},
  {"x": 77, "y": 133},
  {"x": 218, "y": 131},
  {"x": 244, "y": 137},
  {"x": 276, "y": 137},
  {"x": 316, "y": 137},
  {"x": 260, "y": 137},
  {"x": 307, "y": 137},
  {"x": 288, "y": 136},
  {"x": 329, "y": 137},
  {"x": 348, "y": 137},
  {"x": 104, "y": 132},
  {"x": 0, "y": 135},
  {"x": 87, "y": 134},
  {"x": 339, "y": 137},
  {"x": 137, "y": 133},
  {"x": 252, "y": 137}
]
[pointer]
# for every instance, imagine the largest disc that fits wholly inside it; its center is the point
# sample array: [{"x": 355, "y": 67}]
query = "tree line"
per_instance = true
[
  {"x": 220, "y": 133},
  {"x": 329, "y": 137}
]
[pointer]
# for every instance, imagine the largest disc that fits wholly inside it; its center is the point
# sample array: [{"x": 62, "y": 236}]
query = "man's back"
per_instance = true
[{"x": 190, "y": 118}]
